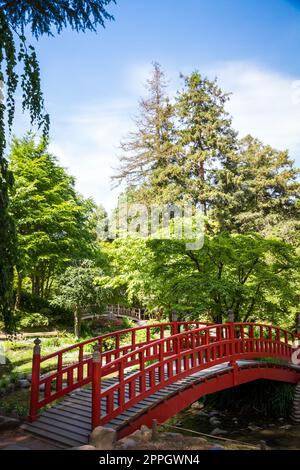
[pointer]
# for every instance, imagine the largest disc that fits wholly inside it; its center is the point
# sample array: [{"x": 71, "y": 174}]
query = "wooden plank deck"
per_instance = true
[{"x": 68, "y": 422}]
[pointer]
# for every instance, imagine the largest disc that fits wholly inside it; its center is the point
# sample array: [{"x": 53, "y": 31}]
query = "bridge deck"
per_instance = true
[{"x": 69, "y": 421}]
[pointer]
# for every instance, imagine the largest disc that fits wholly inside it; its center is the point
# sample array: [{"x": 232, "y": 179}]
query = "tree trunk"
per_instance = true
[
  {"x": 19, "y": 292},
  {"x": 77, "y": 322}
]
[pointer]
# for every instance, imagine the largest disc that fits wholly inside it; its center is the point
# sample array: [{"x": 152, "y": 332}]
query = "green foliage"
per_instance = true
[
  {"x": 53, "y": 222},
  {"x": 19, "y": 63},
  {"x": 253, "y": 276},
  {"x": 33, "y": 320},
  {"x": 256, "y": 190},
  {"x": 77, "y": 289}
]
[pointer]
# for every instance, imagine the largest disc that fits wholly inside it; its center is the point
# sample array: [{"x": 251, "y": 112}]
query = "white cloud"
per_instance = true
[{"x": 263, "y": 103}]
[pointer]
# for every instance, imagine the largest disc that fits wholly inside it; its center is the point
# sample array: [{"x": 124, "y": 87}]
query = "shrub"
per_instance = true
[{"x": 33, "y": 320}]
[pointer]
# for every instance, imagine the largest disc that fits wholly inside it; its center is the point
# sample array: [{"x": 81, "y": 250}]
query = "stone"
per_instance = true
[
  {"x": 252, "y": 427},
  {"x": 21, "y": 376},
  {"x": 197, "y": 405},
  {"x": 7, "y": 423},
  {"x": 103, "y": 438},
  {"x": 23, "y": 383},
  {"x": 214, "y": 421},
  {"x": 178, "y": 423},
  {"x": 213, "y": 413},
  {"x": 203, "y": 414},
  {"x": 286, "y": 427},
  {"x": 127, "y": 443},
  {"x": 42, "y": 387},
  {"x": 86, "y": 447},
  {"x": 146, "y": 433},
  {"x": 137, "y": 434},
  {"x": 218, "y": 432},
  {"x": 29, "y": 377}
]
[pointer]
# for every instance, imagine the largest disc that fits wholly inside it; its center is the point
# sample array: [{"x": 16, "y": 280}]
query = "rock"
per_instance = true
[
  {"x": 86, "y": 447},
  {"x": 281, "y": 420},
  {"x": 252, "y": 427},
  {"x": 126, "y": 443},
  {"x": 197, "y": 405},
  {"x": 214, "y": 421},
  {"x": 178, "y": 423},
  {"x": 286, "y": 427},
  {"x": 103, "y": 438},
  {"x": 137, "y": 434},
  {"x": 146, "y": 433},
  {"x": 21, "y": 376},
  {"x": 29, "y": 377},
  {"x": 8, "y": 423},
  {"x": 271, "y": 425},
  {"x": 213, "y": 413},
  {"x": 42, "y": 387},
  {"x": 23, "y": 383},
  {"x": 203, "y": 414},
  {"x": 218, "y": 432}
]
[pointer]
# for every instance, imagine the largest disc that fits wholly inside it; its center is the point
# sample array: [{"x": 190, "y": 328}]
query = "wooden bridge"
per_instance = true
[
  {"x": 134, "y": 313},
  {"x": 128, "y": 378}
]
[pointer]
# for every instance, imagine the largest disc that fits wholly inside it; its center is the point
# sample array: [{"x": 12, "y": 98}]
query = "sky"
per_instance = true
[{"x": 92, "y": 82}]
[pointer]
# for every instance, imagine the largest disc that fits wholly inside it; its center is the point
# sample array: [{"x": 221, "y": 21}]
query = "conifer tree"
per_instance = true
[
  {"x": 257, "y": 189},
  {"x": 148, "y": 151},
  {"x": 205, "y": 135}
]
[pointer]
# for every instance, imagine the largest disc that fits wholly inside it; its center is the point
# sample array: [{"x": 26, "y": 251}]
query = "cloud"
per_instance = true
[{"x": 264, "y": 103}]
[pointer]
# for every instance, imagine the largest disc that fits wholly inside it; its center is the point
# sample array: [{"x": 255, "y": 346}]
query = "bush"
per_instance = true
[{"x": 33, "y": 320}]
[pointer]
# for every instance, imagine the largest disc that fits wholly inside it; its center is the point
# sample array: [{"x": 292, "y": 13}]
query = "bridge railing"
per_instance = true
[
  {"x": 169, "y": 359},
  {"x": 59, "y": 373}
]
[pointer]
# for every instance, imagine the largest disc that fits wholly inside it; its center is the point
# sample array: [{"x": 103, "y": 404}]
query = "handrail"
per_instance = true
[
  {"x": 66, "y": 378},
  {"x": 172, "y": 355},
  {"x": 167, "y": 360}
]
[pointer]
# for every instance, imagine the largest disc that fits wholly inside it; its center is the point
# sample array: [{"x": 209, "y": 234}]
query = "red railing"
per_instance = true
[
  {"x": 170, "y": 359},
  {"x": 66, "y": 373}
]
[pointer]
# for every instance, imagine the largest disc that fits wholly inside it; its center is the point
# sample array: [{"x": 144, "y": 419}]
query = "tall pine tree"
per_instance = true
[
  {"x": 205, "y": 135},
  {"x": 148, "y": 151}
]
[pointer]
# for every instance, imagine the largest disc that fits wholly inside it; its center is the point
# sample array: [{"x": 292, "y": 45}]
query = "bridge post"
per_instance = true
[
  {"x": 96, "y": 386},
  {"x": 175, "y": 326},
  {"x": 35, "y": 381}
]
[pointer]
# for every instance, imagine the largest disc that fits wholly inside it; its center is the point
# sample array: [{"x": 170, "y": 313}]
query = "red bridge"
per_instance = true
[{"x": 127, "y": 378}]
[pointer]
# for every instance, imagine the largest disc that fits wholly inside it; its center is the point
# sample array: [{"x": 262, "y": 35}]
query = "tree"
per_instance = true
[
  {"x": 78, "y": 288},
  {"x": 205, "y": 135},
  {"x": 54, "y": 224},
  {"x": 253, "y": 276},
  {"x": 149, "y": 150},
  {"x": 19, "y": 63},
  {"x": 257, "y": 189}
]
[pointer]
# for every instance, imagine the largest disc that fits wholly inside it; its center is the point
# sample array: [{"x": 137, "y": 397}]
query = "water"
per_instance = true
[{"x": 278, "y": 433}]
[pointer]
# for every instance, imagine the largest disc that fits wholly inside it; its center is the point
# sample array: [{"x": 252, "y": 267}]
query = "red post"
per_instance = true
[
  {"x": 35, "y": 381},
  {"x": 96, "y": 387}
]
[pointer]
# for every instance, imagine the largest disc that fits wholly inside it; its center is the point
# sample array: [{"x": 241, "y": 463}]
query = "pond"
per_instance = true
[{"x": 278, "y": 433}]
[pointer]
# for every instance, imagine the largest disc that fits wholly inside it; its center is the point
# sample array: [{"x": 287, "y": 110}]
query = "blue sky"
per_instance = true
[{"x": 92, "y": 82}]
